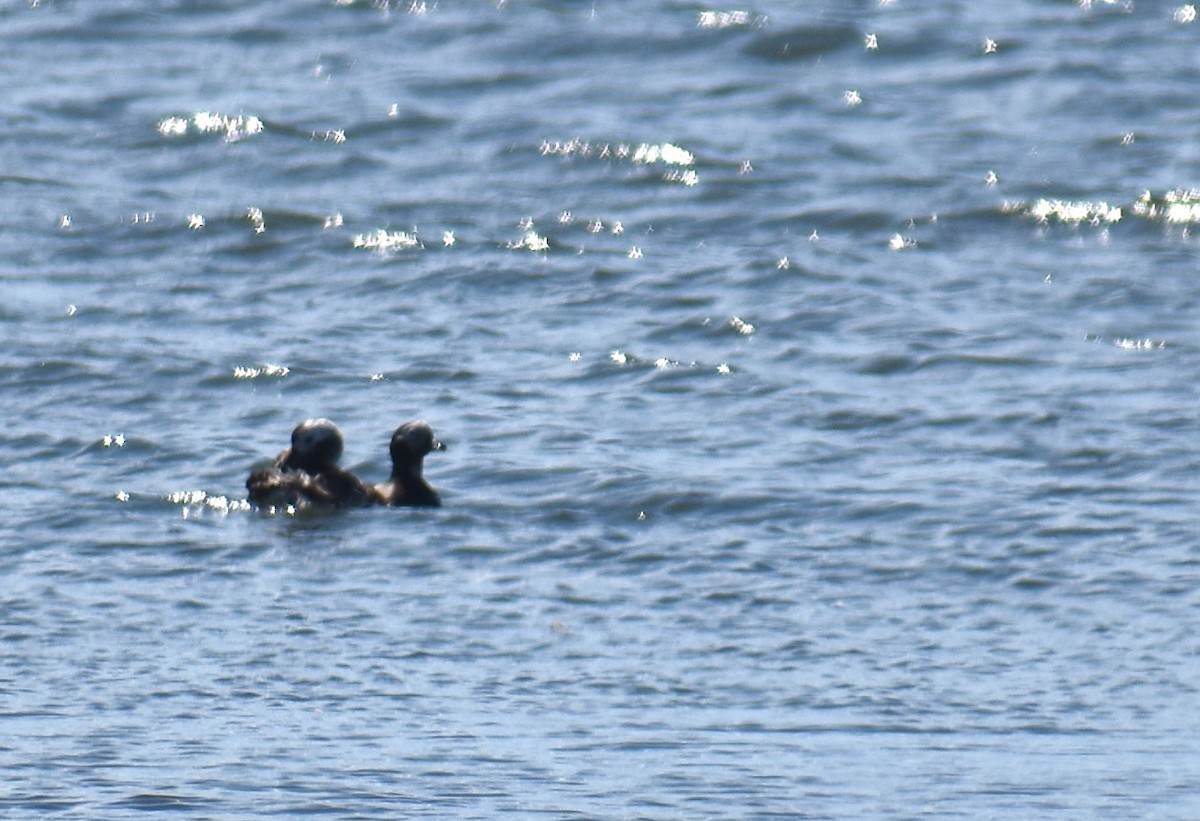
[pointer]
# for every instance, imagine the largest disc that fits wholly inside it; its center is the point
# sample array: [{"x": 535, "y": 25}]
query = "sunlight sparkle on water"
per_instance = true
[
  {"x": 197, "y": 501},
  {"x": 414, "y": 7},
  {"x": 1139, "y": 344},
  {"x": 688, "y": 177},
  {"x": 383, "y": 241},
  {"x": 187, "y": 497},
  {"x": 255, "y": 215},
  {"x": 741, "y": 326},
  {"x": 1177, "y": 206},
  {"x": 233, "y": 129},
  {"x": 1073, "y": 212},
  {"x": 242, "y": 372},
  {"x": 730, "y": 19},
  {"x": 531, "y": 240},
  {"x": 642, "y": 154},
  {"x": 668, "y": 154}
]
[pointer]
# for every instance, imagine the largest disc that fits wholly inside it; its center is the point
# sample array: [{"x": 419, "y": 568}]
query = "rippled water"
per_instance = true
[{"x": 818, "y": 380}]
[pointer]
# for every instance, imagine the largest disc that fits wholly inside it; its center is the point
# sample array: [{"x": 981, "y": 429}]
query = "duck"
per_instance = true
[
  {"x": 411, "y": 443},
  {"x": 307, "y": 473}
]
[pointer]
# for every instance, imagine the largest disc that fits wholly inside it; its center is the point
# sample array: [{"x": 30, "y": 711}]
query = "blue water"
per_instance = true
[{"x": 819, "y": 381}]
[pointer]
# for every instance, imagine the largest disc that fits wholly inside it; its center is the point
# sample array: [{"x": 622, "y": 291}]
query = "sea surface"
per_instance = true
[{"x": 819, "y": 381}]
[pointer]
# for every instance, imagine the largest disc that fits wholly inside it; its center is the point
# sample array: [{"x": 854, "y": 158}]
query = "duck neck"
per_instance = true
[
  {"x": 416, "y": 489},
  {"x": 407, "y": 473}
]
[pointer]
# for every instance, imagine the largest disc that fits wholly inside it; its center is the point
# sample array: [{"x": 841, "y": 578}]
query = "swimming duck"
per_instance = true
[
  {"x": 307, "y": 473},
  {"x": 411, "y": 442}
]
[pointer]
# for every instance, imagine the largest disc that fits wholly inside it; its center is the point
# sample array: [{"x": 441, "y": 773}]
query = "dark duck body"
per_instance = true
[
  {"x": 411, "y": 443},
  {"x": 307, "y": 473}
]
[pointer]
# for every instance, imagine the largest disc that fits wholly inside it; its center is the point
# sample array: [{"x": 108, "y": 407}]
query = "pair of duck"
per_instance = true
[{"x": 307, "y": 473}]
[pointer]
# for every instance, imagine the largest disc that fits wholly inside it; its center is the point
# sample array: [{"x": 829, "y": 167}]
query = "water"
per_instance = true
[{"x": 822, "y": 438}]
